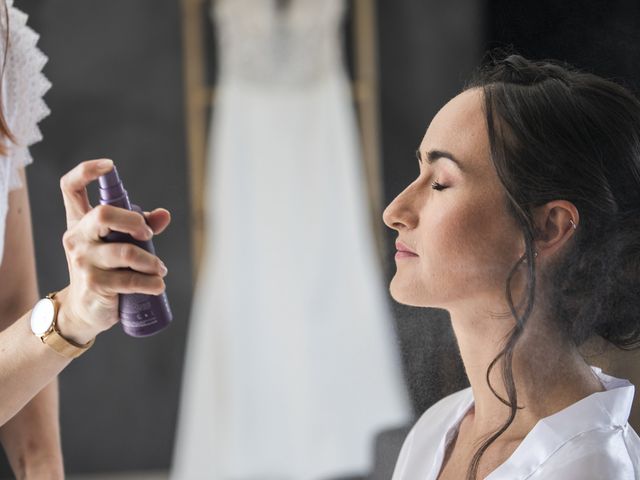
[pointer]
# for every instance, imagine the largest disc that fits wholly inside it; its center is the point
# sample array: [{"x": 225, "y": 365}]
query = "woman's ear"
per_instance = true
[{"x": 555, "y": 223}]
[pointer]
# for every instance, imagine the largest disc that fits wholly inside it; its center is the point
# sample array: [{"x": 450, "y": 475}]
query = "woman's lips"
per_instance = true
[
  {"x": 404, "y": 251},
  {"x": 405, "y": 255}
]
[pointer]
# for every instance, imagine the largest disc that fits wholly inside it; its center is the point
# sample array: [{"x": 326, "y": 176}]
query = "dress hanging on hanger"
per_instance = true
[{"x": 291, "y": 365}]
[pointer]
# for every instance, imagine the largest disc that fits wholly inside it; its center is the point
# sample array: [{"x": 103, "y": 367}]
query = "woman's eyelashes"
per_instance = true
[
  {"x": 435, "y": 184},
  {"x": 438, "y": 186}
]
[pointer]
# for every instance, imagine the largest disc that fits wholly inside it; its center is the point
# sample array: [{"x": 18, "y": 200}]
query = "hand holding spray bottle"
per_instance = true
[{"x": 141, "y": 315}]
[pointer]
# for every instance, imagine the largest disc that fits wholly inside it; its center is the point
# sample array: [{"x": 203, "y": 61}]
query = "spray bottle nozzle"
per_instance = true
[
  {"x": 112, "y": 190},
  {"x": 110, "y": 179}
]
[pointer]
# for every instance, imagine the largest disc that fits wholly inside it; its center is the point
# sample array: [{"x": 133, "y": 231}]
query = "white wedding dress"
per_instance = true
[{"x": 292, "y": 364}]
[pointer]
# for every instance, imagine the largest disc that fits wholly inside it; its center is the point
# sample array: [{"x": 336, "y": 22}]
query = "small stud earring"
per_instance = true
[{"x": 573, "y": 224}]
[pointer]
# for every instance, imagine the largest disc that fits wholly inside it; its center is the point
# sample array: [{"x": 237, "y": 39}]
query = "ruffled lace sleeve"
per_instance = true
[{"x": 23, "y": 87}]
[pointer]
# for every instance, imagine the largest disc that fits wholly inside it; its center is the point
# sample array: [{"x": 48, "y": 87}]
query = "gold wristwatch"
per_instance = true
[{"x": 44, "y": 324}]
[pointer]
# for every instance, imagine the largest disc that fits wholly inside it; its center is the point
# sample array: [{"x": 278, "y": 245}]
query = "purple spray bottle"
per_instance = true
[{"x": 141, "y": 315}]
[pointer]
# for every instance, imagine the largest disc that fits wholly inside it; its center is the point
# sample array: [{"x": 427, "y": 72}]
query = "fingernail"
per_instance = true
[
  {"x": 163, "y": 268},
  {"x": 104, "y": 164},
  {"x": 149, "y": 232}
]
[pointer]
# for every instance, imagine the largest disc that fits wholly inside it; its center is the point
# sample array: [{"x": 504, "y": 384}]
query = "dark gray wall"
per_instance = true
[
  {"x": 117, "y": 92},
  {"x": 427, "y": 51},
  {"x": 600, "y": 36}
]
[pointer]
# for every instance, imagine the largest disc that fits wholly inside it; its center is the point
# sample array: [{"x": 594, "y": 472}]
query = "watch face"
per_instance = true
[{"x": 42, "y": 316}]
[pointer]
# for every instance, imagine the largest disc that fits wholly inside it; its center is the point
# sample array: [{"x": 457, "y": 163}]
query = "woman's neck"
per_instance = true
[{"x": 549, "y": 373}]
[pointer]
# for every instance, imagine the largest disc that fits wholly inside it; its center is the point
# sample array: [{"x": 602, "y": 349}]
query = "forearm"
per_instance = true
[
  {"x": 27, "y": 366},
  {"x": 31, "y": 439},
  {"x": 28, "y": 410}
]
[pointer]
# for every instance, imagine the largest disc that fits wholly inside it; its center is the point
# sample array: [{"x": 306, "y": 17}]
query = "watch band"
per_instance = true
[{"x": 55, "y": 339}]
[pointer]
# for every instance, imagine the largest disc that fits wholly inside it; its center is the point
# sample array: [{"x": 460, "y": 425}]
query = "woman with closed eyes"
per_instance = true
[{"x": 524, "y": 224}]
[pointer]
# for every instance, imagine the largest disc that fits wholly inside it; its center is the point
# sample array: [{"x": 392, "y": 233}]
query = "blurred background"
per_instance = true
[{"x": 119, "y": 75}]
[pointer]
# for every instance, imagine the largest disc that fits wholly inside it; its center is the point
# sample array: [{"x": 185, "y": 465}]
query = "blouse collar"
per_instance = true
[{"x": 607, "y": 409}]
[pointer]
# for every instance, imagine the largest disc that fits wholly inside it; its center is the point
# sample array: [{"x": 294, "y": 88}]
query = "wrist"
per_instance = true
[
  {"x": 32, "y": 458},
  {"x": 50, "y": 468},
  {"x": 71, "y": 327}
]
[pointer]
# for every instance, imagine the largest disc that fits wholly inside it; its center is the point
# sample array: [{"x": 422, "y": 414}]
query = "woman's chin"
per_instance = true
[{"x": 405, "y": 294}]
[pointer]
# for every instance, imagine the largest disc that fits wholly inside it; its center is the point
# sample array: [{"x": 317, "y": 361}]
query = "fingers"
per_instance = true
[
  {"x": 112, "y": 282},
  {"x": 125, "y": 255},
  {"x": 158, "y": 219},
  {"x": 103, "y": 219},
  {"x": 73, "y": 185}
]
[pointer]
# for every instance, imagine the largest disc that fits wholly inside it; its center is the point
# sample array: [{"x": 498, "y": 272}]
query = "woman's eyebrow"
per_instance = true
[{"x": 434, "y": 155}]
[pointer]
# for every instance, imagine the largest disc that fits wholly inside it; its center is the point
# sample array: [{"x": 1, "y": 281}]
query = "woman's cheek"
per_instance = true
[
  {"x": 491, "y": 240},
  {"x": 443, "y": 245},
  {"x": 452, "y": 226},
  {"x": 466, "y": 235}
]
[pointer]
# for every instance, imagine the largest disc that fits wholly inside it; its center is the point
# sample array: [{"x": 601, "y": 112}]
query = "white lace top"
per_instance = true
[{"x": 23, "y": 87}]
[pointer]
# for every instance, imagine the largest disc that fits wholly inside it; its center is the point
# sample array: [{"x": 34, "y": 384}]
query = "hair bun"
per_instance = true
[{"x": 618, "y": 291}]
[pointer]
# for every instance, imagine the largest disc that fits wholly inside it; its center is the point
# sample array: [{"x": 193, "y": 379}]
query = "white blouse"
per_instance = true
[
  {"x": 23, "y": 86},
  {"x": 588, "y": 440}
]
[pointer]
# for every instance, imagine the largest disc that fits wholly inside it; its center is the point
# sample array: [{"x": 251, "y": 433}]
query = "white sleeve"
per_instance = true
[{"x": 23, "y": 86}]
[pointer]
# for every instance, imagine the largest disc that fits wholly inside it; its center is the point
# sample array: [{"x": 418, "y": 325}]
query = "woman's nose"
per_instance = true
[{"x": 400, "y": 213}]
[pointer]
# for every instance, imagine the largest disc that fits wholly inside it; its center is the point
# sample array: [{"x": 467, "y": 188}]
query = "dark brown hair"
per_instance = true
[
  {"x": 5, "y": 132},
  {"x": 559, "y": 133}
]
